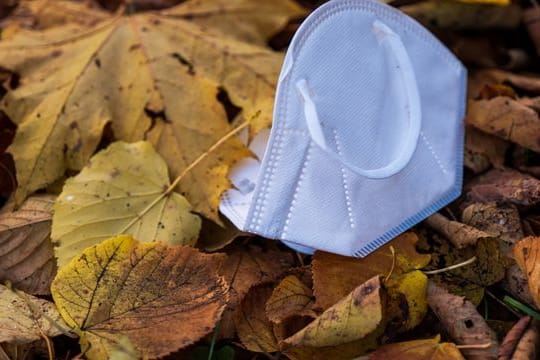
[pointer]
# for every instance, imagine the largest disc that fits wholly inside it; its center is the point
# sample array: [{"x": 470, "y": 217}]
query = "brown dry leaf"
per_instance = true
[
  {"x": 248, "y": 265},
  {"x": 255, "y": 330},
  {"x": 25, "y": 318},
  {"x": 500, "y": 220},
  {"x": 529, "y": 83},
  {"x": 483, "y": 150},
  {"x": 425, "y": 349},
  {"x": 456, "y": 15},
  {"x": 289, "y": 298},
  {"x": 122, "y": 287},
  {"x": 527, "y": 254},
  {"x": 335, "y": 276},
  {"x": 507, "y": 119},
  {"x": 463, "y": 322},
  {"x": 153, "y": 75},
  {"x": 352, "y": 318},
  {"x": 26, "y": 251},
  {"x": 215, "y": 237},
  {"x": 460, "y": 235},
  {"x": 503, "y": 186}
]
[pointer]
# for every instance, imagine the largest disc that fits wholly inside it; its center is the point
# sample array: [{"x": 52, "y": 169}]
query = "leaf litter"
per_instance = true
[{"x": 141, "y": 108}]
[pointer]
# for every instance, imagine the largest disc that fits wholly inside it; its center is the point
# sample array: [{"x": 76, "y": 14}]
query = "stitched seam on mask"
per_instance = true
[
  {"x": 229, "y": 204},
  {"x": 435, "y": 156},
  {"x": 296, "y": 190},
  {"x": 344, "y": 181}
]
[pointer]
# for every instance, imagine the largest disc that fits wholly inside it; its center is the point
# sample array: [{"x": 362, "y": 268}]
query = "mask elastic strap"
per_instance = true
[{"x": 393, "y": 44}]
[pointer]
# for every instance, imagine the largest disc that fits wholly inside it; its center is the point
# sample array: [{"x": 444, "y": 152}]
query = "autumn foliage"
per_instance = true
[{"x": 119, "y": 122}]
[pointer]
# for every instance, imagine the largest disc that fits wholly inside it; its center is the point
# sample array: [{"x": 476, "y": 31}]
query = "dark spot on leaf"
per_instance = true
[
  {"x": 134, "y": 47},
  {"x": 182, "y": 60},
  {"x": 14, "y": 81},
  {"x": 469, "y": 323},
  {"x": 73, "y": 125},
  {"x": 230, "y": 109},
  {"x": 56, "y": 53},
  {"x": 98, "y": 63}
]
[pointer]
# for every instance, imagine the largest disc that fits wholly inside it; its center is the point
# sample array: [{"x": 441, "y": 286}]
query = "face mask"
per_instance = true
[{"x": 367, "y": 135}]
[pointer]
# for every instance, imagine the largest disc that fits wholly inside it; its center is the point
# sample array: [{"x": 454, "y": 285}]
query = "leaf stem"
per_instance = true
[
  {"x": 451, "y": 267},
  {"x": 213, "y": 341},
  {"x": 475, "y": 346},
  {"x": 176, "y": 181}
]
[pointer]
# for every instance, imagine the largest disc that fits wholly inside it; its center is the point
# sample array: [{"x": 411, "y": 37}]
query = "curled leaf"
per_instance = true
[
  {"x": 122, "y": 287},
  {"x": 290, "y": 297},
  {"x": 121, "y": 190},
  {"x": 352, "y": 318},
  {"x": 527, "y": 254}
]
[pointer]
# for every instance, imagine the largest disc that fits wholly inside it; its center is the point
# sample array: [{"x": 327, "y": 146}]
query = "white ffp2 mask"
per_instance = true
[{"x": 367, "y": 134}]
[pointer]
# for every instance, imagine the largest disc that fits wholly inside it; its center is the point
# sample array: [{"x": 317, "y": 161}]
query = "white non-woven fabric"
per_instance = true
[{"x": 367, "y": 135}]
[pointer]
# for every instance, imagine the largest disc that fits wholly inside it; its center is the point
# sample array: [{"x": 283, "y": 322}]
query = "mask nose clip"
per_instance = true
[{"x": 392, "y": 44}]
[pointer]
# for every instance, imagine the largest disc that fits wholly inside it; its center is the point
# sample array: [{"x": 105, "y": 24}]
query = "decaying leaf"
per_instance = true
[
  {"x": 527, "y": 255},
  {"x": 463, "y": 322},
  {"x": 246, "y": 266},
  {"x": 255, "y": 330},
  {"x": 407, "y": 300},
  {"x": 455, "y": 15},
  {"x": 352, "y": 318},
  {"x": 153, "y": 75},
  {"x": 26, "y": 252},
  {"x": 335, "y": 276},
  {"x": 141, "y": 290},
  {"x": 507, "y": 119},
  {"x": 425, "y": 349},
  {"x": 503, "y": 185},
  {"x": 460, "y": 235},
  {"x": 120, "y": 192},
  {"x": 483, "y": 150},
  {"x": 25, "y": 318},
  {"x": 500, "y": 220},
  {"x": 290, "y": 297}
]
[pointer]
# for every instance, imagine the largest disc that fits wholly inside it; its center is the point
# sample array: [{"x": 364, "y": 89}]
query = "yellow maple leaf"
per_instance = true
[{"x": 153, "y": 75}]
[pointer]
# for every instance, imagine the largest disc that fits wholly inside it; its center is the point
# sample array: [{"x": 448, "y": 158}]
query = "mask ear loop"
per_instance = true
[{"x": 393, "y": 44}]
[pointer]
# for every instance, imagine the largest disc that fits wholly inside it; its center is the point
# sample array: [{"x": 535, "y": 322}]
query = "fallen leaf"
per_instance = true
[
  {"x": 483, "y": 150},
  {"x": 407, "y": 300},
  {"x": 527, "y": 82},
  {"x": 516, "y": 283},
  {"x": 460, "y": 235},
  {"x": 503, "y": 186},
  {"x": 500, "y": 220},
  {"x": 248, "y": 265},
  {"x": 123, "y": 287},
  {"x": 507, "y": 119},
  {"x": 121, "y": 190},
  {"x": 289, "y": 298},
  {"x": 335, "y": 276},
  {"x": 153, "y": 75},
  {"x": 345, "y": 351},
  {"x": 527, "y": 253},
  {"x": 462, "y": 321},
  {"x": 26, "y": 251},
  {"x": 457, "y": 15},
  {"x": 255, "y": 330},
  {"x": 214, "y": 237},
  {"x": 25, "y": 318},
  {"x": 43, "y": 14},
  {"x": 423, "y": 349},
  {"x": 352, "y": 318}
]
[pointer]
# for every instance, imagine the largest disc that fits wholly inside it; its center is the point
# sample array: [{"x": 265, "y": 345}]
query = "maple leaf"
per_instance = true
[
  {"x": 153, "y": 75},
  {"x": 122, "y": 287}
]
